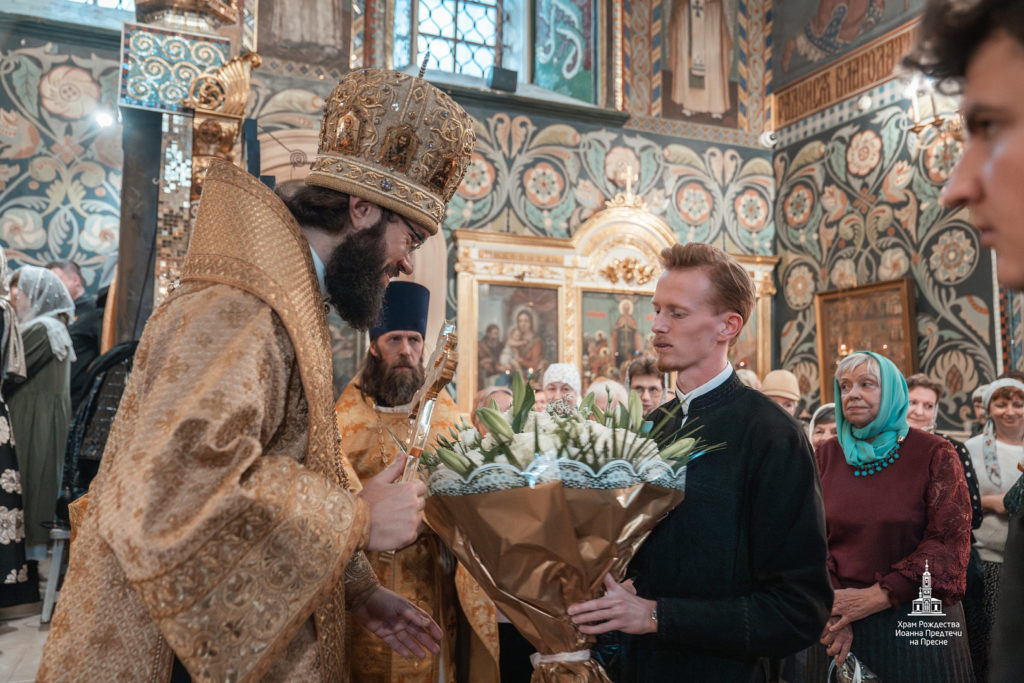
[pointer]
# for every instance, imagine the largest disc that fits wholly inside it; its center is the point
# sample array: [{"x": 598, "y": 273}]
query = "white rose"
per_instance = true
[
  {"x": 523, "y": 449},
  {"x": 488, "y": 442},
  {"x": 544, "y": 422},
  {"x": 475, "y": 456},
  {"x": 468, "y": 436},
  {"x": 546, "y": 443},
  {"x": 646, "y": 448}
]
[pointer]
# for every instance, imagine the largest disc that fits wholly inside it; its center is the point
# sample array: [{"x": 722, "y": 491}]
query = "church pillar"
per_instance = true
[{"x": 183, "y": 96}]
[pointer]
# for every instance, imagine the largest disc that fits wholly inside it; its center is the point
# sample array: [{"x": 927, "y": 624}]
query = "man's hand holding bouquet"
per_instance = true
[{"x": 544, "y": 505}]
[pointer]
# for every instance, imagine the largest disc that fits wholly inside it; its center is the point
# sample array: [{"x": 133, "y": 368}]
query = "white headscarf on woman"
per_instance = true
[
  {"x": 42, "y": 297},
  {"x": 13, "y": 363},
  {"x": 988, "y": 444}
]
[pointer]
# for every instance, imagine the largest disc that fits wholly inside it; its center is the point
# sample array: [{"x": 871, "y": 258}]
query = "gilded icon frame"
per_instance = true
[
  {"x": 856, "y": 318},
  {"x": 614, "y": 253}
]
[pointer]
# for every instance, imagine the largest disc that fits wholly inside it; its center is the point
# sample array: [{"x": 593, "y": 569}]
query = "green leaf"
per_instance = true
[
  {"x": 523, "y": 400},
  {"x": 636, "y": 411},
  {"x": 25, "y": 80}
]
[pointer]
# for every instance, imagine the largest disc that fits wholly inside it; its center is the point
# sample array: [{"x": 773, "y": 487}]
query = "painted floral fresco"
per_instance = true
[
  {"x": 60, "y": 173},
  {"x": 859, "y": 204},
  {"x": 533, "y": 175}
]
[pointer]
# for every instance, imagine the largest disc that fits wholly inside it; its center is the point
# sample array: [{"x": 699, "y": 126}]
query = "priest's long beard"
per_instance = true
[
  {"x": 388, "y": 385},
  {"x": 353, "y": 276}
]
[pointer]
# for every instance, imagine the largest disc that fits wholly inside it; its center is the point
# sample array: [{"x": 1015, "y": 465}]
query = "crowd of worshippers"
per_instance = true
[
  {"x": 51, "y": 335},
  {"x": 874, "y": 398}
]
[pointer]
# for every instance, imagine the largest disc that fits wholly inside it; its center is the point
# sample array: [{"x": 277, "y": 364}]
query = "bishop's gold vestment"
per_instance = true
[
  {"x": 219, "y": 527},
  {"x": 415, "y": 572}
]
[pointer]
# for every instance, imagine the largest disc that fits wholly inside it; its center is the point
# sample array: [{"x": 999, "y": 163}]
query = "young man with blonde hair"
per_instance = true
[{"x": 736, "y": 574}]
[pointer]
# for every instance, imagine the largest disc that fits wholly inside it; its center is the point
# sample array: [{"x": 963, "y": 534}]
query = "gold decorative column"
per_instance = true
[
  {"x": 219, "y": 100},
  {"x": 182, "y": 60}
]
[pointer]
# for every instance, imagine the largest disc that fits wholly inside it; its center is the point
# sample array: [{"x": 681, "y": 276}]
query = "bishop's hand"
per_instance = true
[
  {"x": 406, "y": 628},
  {"x": 394, "y": 507}
]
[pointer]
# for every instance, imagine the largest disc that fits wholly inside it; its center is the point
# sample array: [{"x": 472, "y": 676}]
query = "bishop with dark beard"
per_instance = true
[{"x": 377, "y": 402}]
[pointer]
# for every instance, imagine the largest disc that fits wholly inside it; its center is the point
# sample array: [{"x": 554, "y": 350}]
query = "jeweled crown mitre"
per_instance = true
[{"x": 395, "y": 140}]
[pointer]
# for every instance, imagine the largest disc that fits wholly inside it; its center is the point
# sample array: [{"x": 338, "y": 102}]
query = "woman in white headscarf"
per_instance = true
[
  {"x": 18, "y": 586},
  {"x": 41, "y": 406},
  {"x": 998, "y": 457}
]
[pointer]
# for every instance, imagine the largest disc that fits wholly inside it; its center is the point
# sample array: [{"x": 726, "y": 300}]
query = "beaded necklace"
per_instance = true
[{"x": 878, "y": 465}]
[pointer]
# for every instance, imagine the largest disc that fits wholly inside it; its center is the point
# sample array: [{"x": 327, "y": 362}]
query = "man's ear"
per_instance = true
[
  {"x": 363, "y": 213},
  {"x": 373, "y": 349},
  {"x": 732, "y": 325}
]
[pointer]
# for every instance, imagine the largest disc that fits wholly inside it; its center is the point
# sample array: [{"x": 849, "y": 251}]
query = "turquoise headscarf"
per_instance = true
[{"x": 888, "y": 427}]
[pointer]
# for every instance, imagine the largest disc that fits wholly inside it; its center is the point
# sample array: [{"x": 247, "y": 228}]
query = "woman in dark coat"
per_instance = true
[{"x": 41, "y": 405}]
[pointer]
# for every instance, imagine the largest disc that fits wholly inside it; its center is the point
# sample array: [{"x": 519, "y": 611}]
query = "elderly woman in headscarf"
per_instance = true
[
  {"x": 562, "y": 383},
  {"x": 996, "y": 453},
  {"x": 899, "y": 520},
  {"x": 17, "y": 584},
  {"x": 41, "y": 405},
  {"x": 823, "y": 425}
]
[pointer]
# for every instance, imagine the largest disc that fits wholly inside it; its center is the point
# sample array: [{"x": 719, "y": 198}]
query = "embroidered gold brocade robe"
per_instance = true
[
  {"x": 212, "y": 529},
  {"x": 414, "y": 572}
]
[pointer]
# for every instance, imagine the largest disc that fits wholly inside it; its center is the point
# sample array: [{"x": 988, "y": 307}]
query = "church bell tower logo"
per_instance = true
[{"x": 925, "y": 605}]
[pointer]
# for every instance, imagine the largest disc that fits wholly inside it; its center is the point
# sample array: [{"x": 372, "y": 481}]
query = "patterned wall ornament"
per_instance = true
[
  {"x": 60, "y": 172},
  {"x": 859, "y": 204},
  {"x": 534, "y": 176},
  {"x": 159, "y": 64}
]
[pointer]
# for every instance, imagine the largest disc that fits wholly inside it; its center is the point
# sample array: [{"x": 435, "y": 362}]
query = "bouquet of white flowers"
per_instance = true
[{"x": 543, "y": 505}]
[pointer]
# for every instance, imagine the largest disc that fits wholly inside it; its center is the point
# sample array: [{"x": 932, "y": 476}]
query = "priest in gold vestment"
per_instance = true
[
  {"x": 375, "y": 406},
  {"x": 221, "y": 541}
]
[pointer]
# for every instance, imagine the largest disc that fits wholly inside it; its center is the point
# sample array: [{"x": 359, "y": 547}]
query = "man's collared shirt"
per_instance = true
[
  {"x": 712, "y": 384},
  {"x": 321, "y": 271}
]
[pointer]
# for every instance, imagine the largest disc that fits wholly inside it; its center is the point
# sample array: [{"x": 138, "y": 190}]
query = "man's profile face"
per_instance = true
[
  {"x": 687, "y": 329},
  {"x": 650, "y": 389},
  {"x": 987, "y": 180},
  {"x": 71, "y": 281},
  {"x": 360, "y": 267}
]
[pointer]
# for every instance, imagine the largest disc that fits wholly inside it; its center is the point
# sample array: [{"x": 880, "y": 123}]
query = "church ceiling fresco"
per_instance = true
[
  {"x": 808, "y": 34},
  {"x": 60, "y": 173},
  {"x": 859, "y": 204}
]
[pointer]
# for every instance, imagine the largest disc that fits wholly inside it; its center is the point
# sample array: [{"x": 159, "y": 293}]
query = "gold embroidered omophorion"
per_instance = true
[{"x": 220, "y": 520}]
